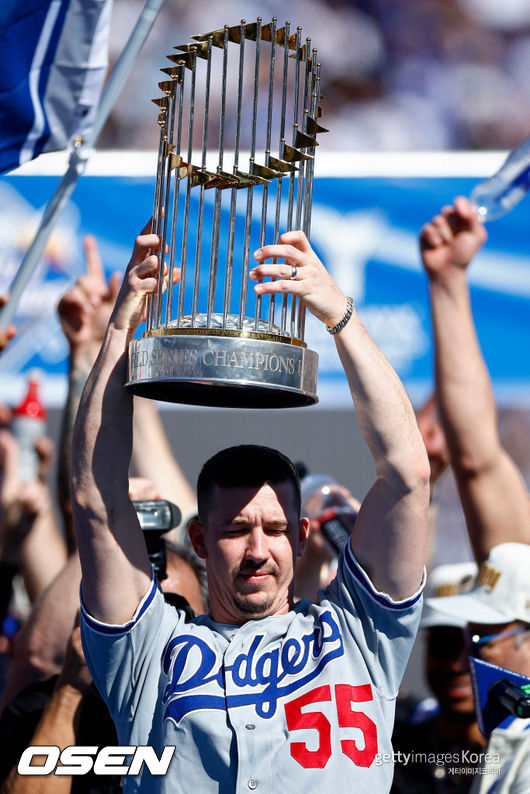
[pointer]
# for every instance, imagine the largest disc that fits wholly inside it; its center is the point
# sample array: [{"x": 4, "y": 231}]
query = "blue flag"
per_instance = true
[{"x": 53, "y": 60}]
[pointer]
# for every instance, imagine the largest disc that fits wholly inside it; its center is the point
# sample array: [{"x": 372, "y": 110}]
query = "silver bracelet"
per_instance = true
[{"x": 340, "y": 325}]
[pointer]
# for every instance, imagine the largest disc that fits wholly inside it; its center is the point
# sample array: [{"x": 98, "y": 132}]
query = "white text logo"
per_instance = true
[{"x": 80, "y": 760}]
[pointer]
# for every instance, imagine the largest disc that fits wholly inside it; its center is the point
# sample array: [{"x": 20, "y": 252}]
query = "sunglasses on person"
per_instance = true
[{"x": 477, "y": 643}]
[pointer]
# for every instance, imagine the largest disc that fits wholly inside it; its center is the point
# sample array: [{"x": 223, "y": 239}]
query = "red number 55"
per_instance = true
[{"x": 345, "y": 695}]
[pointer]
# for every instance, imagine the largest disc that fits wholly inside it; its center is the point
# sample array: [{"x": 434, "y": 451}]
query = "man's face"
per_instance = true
[
  {"x": 250, "y": 541},
  {"x": 511, "y": 651},
  {"x": 447, "y": 669}
]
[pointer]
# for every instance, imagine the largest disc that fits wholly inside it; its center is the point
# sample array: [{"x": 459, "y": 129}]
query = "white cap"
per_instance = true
[
  {"x": 501, "y": 593},
  {"x": 446, "y": 581}
]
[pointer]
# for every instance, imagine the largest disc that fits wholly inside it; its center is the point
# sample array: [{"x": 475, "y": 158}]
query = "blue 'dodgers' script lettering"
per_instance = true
[{"x": 197, "y": 674}]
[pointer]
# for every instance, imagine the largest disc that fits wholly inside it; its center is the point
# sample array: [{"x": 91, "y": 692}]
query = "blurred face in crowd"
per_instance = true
[
  {"x": 182, "y": 579},
  {"x": 250, "y": 540},
  {"x": 505, "y": 649},
  {"x": 433, "y": 438},
  {"x": 447, "y": 669}
]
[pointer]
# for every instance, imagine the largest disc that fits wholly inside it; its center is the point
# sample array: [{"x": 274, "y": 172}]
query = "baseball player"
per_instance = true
[{"x": 261, "y": 693}]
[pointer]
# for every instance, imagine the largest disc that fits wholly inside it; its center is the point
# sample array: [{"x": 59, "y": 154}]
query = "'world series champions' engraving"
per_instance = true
[{"x": 189, "y": 361}]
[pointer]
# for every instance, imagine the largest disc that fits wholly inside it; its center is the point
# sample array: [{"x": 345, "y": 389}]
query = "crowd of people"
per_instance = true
[
  {"x": 264, "y": 654},
  {"x": 432, "y": 74}
]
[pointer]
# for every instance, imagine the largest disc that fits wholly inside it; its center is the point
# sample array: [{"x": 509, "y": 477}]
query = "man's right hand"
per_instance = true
[{"x": 140, "y": 280}]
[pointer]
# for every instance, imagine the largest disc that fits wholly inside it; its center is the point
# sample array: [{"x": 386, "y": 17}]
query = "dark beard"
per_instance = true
[{"x": 249, "y": 607}]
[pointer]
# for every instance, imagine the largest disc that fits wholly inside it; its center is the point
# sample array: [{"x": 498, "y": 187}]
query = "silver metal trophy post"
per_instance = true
[{"x": 252, "y": 90}]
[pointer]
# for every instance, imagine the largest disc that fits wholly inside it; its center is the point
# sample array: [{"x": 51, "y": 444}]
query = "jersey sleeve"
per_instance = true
[
  {"x": 124, "y": 660},
  {"x": 384, "y": 629}
]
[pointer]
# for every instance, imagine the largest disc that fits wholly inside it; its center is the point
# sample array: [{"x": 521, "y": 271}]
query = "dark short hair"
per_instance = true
[{"x": 245, "y": 466}]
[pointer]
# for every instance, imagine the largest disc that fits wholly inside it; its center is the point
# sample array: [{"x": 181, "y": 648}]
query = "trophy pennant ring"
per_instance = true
[{"x": 238, "y": 117}]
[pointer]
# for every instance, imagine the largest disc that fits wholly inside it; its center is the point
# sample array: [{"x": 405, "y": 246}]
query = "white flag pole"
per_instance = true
[{"x": 79, "y": 157}]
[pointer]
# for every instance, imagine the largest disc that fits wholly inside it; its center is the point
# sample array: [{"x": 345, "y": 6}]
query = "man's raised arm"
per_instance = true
[
  {"x": 115, "y": 566},
  {"x": 491, "y": 488},
  {"x": 389, "y": 535}
]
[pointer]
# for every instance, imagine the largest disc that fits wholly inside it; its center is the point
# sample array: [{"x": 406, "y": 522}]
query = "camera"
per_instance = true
[
  {"x": 156, "y": 517},
  {"x": 515, "y": 699},
  {"x": 498, "y": 693}
]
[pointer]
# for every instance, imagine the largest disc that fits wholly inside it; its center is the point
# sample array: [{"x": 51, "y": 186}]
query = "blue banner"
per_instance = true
[{"x": 365, "y": 229}]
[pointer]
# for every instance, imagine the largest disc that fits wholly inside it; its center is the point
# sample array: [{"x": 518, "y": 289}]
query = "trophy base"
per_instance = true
[{"x": 222, "y": 371}]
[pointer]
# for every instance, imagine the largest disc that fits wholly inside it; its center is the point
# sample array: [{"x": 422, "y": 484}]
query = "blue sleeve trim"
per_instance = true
[
  {"x": 112, "y": 628},
  {"x": 384, "y": 600}
]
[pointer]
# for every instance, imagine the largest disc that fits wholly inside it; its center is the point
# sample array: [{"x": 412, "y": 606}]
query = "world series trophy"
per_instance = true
[{"x": 209, "y": 340}]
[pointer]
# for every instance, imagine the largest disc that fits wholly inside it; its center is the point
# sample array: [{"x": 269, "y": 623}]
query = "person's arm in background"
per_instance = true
[
  {"x": 29, "y": 537},
  {"x": 8, "y": 527},
  {"x": 84, "y": 312},
  {"x": 40, "y": 645},
  {"x": 59, "y": 722},
  {"x": 491, "y": 488},
  {"x": 390, "y": 531},
  {"x": 152, "y": 457},
  {"x": 43, "y": 550}
]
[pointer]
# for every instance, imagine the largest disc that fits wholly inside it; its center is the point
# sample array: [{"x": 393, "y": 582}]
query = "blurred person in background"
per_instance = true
[
  {"x": 491, "y": 488},
  {"x": 32, "y": 547},
  {"x": 445, "y": 724},
  {"x": 497, "y": 614},
  {"x": 332, "y": 511}
]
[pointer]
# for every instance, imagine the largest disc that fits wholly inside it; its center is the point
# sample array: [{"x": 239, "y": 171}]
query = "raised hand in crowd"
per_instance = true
[
  {"x": 85, "y": 309},
  {"x": 40, "y": 645},
  {"x": 30, "y": 539},
  {"x": 491, "y": 488}
]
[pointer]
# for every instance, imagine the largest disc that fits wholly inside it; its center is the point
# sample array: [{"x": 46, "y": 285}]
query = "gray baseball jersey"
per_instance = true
[{"x": 302, "y": 702}]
